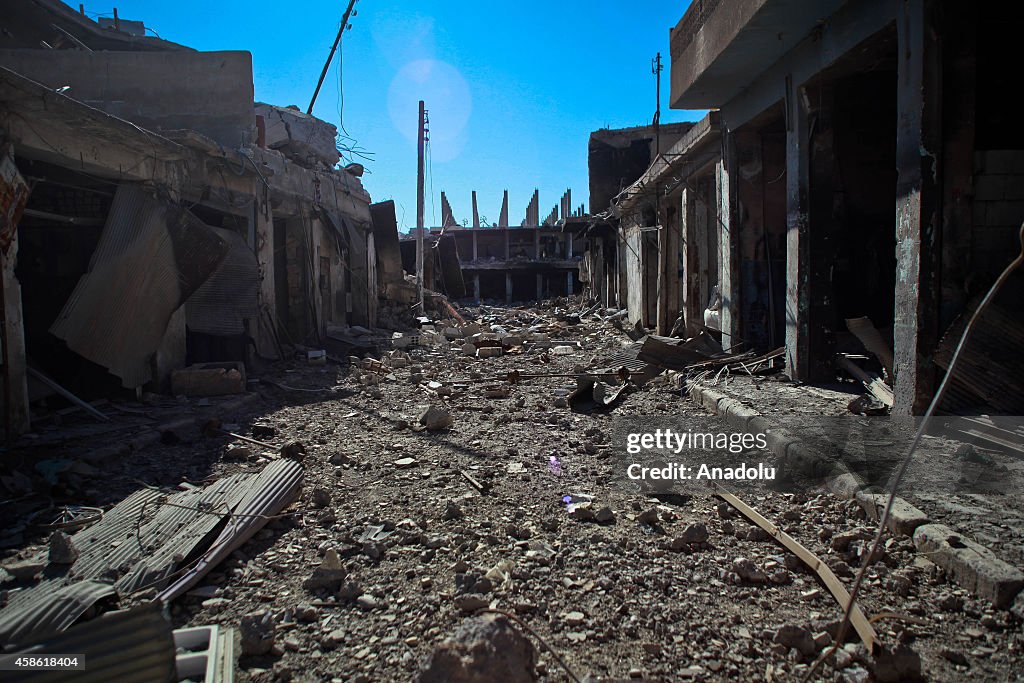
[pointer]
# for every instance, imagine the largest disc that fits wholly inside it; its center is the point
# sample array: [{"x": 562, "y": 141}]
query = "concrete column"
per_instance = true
[
  {"x": 262, "y": 222},
  {"x": 474, "y": 246},
  {"x": 536, "y": 244},
  {"x": 540, "y": 286},
  {"x": 14, "y": 334},
  {"x": 797, "y": 242},
  {"x": 568, "y": 246},
  {"x": 508, "y": 253},
  {"x": 568, "y": 283},
  {"x": 476, "y": 286},
  {"x": 728, "y": 225},
  {"x": 508, "y": 287},
  {"x": 918, "y": 217}
]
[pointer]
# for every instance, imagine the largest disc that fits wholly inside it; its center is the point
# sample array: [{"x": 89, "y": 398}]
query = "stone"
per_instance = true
[
  {"x": 62, "y": 549},
  {"x": 482, "y": 650},
  {"x": 321, "y": 497},
  {"x": 470, "y": 602},
  {"x": 435, "y": 418},
  {"x": 796, "y": 637},
  {"x": 329, "y": 575},
  {"x": 695, "y": 533},
  {"x": 238, "y": 453},
  {"x": 899, "y": 664},
  {"x": 451, "y": 511},
  {"x": 368, "y": 602},
  {"x": 649, "y": 516},
  {"x": 257, "y": 631},
  {"x": 604, "y": 515},
  {"x": 215, "y": 605},
  {"x": 748, "y": 571},
  {"x": 575, "y": 619},
  {"x": 25, "y": 569}
]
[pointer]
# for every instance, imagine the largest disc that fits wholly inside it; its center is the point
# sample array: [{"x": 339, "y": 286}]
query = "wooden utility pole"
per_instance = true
[
  {"x": 330, "y": 57},
  {"x": 420, "y": 203}
]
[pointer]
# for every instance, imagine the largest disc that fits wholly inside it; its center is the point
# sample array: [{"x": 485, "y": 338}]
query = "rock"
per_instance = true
[
  {"x": 329, "y": 575},
  {"x": 855, "y": 675},
  {"x": 948, "y": 602},
  {"x": 470, "y": 602},
  {"x": 583, "y": 512},
  {"x": 238, "y": 453},
  {"x": 25, "y": 569},
  {"x": 575, "y": 619},
  {"x": 405, "y": 463},
  {"x": 257, "y": 631},
  {"x": 340, "y": 459},
  {"x": 215, "y": 605},
  {"x": 452, "y": 511},
  {"x": 748, "y": 571},
  {"x": 796, "y": 637},
  {"x": 841, "y": 542},
  {"x": 695, "y": 533},
  {"x": 368, "y": 602},
  {"x": 899, "y": 664},
  {"x": 604, "y": 515},
  {"x": 482, "y": 650},
  {"x": 261, "y": 431},
  {"x": 294, "y": 450},
  {"x": 321, "y": 497},
  {"x": 649, "y": 516},
  {"x": 955, "y": 656},
  {"x": 62, "y": 550},
  {"x": 306, "y": 614},
  {"x": 435, "y": 418}
]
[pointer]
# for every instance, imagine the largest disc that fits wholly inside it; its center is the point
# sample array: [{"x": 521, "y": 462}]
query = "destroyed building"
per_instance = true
[
  {"x": 156, "y": 217},
  {"x": 859, "y": 171}
]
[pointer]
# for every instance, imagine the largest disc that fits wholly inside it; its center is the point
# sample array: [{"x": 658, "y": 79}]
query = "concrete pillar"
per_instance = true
[
  {"x": 476, "y": 213},
  {"x": 476, "y": 286},
  {"x": 540, "y": 286},
  {"x": 261, "y": 221},
  {"x": 797, "y": 242},
  {"x": 568, "y": 245},
  {"x": 14, "y": 334},
  {"x": 728, "y": 225},
  {"x": 508, "y": 253},
  {"x": 508, "y": 287},
  {"x": 568, "y": 283},
  {"x": 918, "y": 217},
  {"x": 474, "y": 246},
  {"x": 536, "y": 244}
]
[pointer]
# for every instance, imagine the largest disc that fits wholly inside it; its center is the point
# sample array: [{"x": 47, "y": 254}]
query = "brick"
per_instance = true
[
  {"x": 903, "y": 519},
  {"x": 970, "y": 564}
]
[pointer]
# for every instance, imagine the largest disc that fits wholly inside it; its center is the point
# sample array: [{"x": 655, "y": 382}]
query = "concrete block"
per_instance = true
[
  {"x": 904, "y": 517},
  {"x": 299, "y": 136},
  {"x": 970, "y": 564},
  {"x": 844, "y": 485},
  {"x": 710, "y": 399}
]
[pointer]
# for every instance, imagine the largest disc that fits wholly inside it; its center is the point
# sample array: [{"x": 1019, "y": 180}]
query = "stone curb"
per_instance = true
[{"x": 972, "y": 565}]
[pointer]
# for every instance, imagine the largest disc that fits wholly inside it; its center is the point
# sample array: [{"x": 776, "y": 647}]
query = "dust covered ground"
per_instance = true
[{"x": 430, "y": 526}]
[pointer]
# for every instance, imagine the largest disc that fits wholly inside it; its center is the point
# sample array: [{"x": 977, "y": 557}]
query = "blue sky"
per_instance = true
[{"x": 513, "y": 89}]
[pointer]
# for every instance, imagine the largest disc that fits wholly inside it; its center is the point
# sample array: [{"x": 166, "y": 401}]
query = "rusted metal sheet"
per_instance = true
[
  {"x": 229, "y": 296},
  {"x": 50, "y": 611},
  {"x": 150, "y": 259},
  {"x": 129, "y": 646}
]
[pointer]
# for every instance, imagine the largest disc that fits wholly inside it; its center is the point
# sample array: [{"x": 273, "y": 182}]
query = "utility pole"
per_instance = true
[
  {"x": 420, "y": 142},
  {"x": 330, "y": 57},
  {"x": 656, "y": 68}
]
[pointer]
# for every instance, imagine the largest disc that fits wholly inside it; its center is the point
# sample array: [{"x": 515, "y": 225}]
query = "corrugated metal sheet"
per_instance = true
[
  {"x": 274, "y": 488},
  {"x": 128, "y": 646},
  {"x": 42, "y": 613},
  {"x": 151, "y": 257},
  {"x": 229, "y": 295},
  {"x": 145, "y": 540}
]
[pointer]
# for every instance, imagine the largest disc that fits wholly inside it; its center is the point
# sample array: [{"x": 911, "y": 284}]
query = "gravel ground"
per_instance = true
[{"x": 663, "y": 588}]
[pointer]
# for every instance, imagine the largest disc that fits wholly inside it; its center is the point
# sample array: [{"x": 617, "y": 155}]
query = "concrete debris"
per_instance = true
[
  {"x": 62, "y": 549},
  {"x": 321, "y": 497},
  {"x": 258, "y": 631},
  {"x": 329, "y": 575},
  {"x": 482, "y": 650},
  {"x": 434, "y": 418}
]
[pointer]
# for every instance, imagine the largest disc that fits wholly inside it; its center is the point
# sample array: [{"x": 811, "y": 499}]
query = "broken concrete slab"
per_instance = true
[
  {"x": 972, "y": 565},
  {"x": 482, "y": 650},
  {"x": 209, "y": 379}
]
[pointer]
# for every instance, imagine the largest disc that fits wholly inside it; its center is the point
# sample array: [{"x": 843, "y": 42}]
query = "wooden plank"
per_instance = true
[
  {"x": 859, "y": 622},
  {"x": 875, "y": 385}
]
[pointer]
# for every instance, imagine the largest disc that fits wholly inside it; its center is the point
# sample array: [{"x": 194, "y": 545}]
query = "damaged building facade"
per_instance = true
[
  {"x": 857, "y": 184},
  {"x": 156, "y": 217}
]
